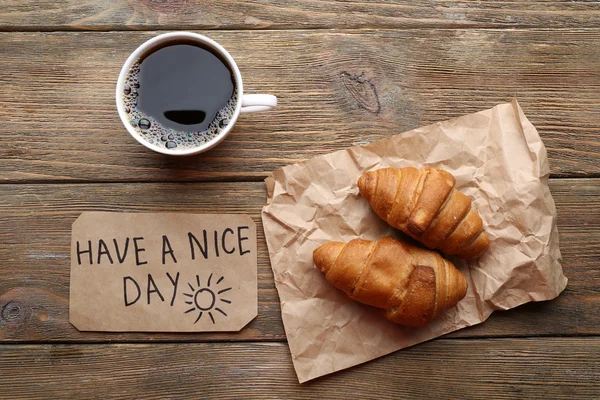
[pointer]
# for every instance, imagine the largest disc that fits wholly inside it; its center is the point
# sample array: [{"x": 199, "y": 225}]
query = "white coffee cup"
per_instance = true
[{"x": 245, "y": 103}]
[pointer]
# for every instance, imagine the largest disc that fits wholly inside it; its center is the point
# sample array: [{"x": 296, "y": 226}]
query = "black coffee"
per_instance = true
[{"x": 180, "y": 95}]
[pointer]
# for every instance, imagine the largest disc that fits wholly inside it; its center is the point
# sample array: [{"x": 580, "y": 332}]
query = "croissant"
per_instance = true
[
  {"x": 411, "y": 284},
  {"x": 424, "y": 204}
]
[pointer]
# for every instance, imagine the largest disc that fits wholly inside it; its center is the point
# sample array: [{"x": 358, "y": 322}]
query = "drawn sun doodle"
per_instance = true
[{"x": 205, "y": 300}]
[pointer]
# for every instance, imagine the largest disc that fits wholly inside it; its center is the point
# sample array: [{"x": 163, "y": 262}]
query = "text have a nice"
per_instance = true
[{"x": 204, "y": 244}]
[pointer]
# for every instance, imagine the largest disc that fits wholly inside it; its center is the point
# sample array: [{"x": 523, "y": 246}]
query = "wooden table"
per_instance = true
[{"x": 346, "y": 73}]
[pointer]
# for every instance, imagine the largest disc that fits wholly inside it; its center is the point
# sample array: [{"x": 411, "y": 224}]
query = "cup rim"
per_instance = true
[{"x": 149, "y": 44}]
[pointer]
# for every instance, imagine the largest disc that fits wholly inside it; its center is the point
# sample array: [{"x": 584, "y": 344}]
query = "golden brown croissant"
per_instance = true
[
  {"x": 424, "y": 204},
  {"x": 412, "y": 285}
]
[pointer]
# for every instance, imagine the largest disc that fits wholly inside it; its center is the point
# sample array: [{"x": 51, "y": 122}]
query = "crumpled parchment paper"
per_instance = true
[{"x": 498, "y": 159}]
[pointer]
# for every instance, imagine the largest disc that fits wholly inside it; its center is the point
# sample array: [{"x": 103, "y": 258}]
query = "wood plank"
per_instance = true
[
  {"x": 271, "y": 14},
  {"x": 37, "y": 220},
  {"x": 35, "y": 241},
  {"x": 336, "y": 89},
  {"x": 549, "y": 368}
]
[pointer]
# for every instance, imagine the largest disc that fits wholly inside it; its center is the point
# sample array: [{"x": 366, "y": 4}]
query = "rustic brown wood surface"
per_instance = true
[
  {"x": 336, "y": 89},
  {"x": 346, "y": 73},
  {"x": 285, "y": 14},
  {"x": 552, "y": 368},
  {"x": 35, "y": 246}
]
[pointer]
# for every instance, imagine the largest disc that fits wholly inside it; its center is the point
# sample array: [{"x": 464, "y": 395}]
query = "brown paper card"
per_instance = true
[
  {"x": 497, "y": 158},
  {"x": 162, "y": 272}
]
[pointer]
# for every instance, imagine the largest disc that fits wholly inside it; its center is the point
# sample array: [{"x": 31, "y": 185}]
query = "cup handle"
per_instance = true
[{"x": 258, "y": 102}]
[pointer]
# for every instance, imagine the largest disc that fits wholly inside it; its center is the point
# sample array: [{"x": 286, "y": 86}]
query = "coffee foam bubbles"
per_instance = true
[{"x": 159, "y": 135}]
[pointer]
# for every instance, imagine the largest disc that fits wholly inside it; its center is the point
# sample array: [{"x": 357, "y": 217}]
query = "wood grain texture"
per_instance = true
[
  {"x": 35, "y": 243},
  {"x": 37, "y": 223},
  {"x": 278, "y": 14},
  {"x": 549, "y": 368},
  {"x": 336, "y": 89}
]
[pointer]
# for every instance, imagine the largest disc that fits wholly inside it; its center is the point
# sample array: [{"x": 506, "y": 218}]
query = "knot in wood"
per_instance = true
[
  {"x": 363, "y": 91},
  {"x": 12, "y": 311}
]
